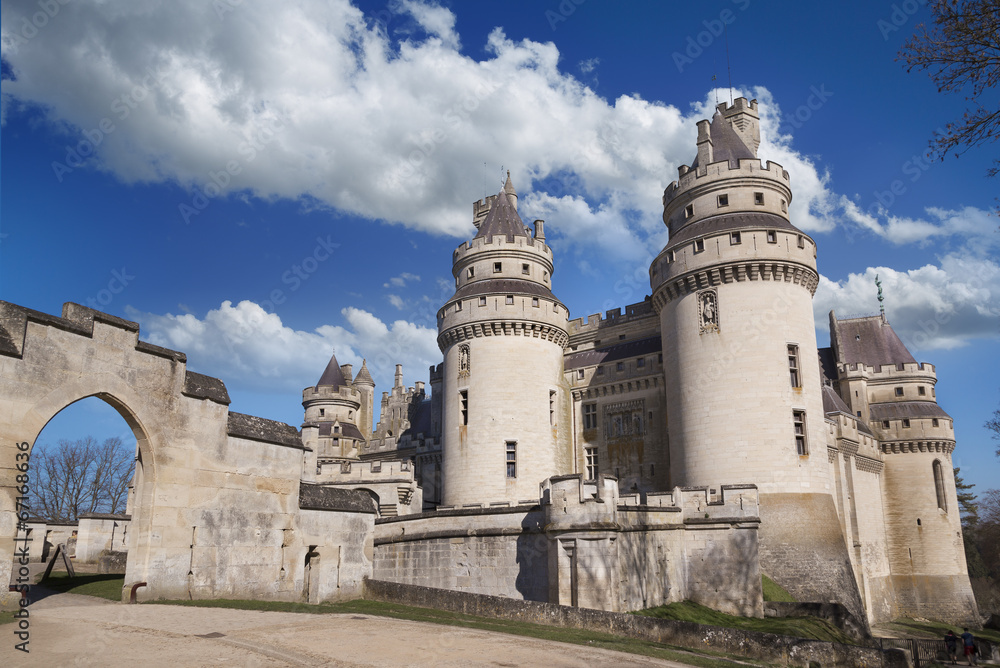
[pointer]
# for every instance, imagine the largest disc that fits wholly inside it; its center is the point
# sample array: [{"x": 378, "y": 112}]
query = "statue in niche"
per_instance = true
[
  {"x": 708, "y": 308},
  {"x": 463, "y": 360}
]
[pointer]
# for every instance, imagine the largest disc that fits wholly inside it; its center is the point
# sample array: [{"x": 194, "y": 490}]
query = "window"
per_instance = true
[
  {"x": 592, "y": 469},
  {"x": 463, "y": 397},
  {"x": 579, "y": 374},
  {"x": 922, "y": 391},
  {"x": 699, "y": 245},
  {"x": 322, "y": 412},
  {"x": 545, "y": 276},
  {"x": 723, "y": 200},
  {"x": 552, "y": 407},
  {"x": 793, "y": 365},
  {"x": 906, "y": 423},
  {"x": 802, "y": 241},
  {"x": 942, "y": 500},
  {"x": 689, "y": 210},
  {"x": 784, "y": 206},
  {"x": 497, "y": 267},
  {"x": 641, "y": 362},
  {"x": 670, "y": 257},
  {"x": 458, "y": 306},
  {"x": 336, "y": 430},
  {"x": 935, "y": 422},
  {"x": 525, "y": 269},
  {"x": 899, "y": 391},
  {"x": 590, "y": 416},
  {"x": 620, "y": 366},
  {"x": 511, "y": 459},
  {"x": 735, "y": 239},
  {"x": 534, "y": 302},
  {"x": 621, "y": 337},
  {"x": 600, "y": 371},
  {"x": 482, "y": 301},
  {"x": 472, "y": 272},
  {"x": 885, "y": 424},
  {"x": 510, "y": 299},
  {"x": 772, "y": 237},
  {"x": 799, "y": 422},
  {"x": 758, "y": 199}
]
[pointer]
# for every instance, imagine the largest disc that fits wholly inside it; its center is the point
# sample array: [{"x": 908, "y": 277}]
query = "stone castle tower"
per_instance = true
[
  {"x": 733, "y": 289},
  {"x": 333, "y": 409},
  {"x": 505, "y": 406}
]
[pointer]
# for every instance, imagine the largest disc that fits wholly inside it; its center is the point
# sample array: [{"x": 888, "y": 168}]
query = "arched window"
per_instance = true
[{"x": 942, "y": 501}]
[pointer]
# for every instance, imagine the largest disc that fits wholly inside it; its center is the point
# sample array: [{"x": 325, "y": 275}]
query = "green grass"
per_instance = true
[
  {"x": 775, "y": 592},
  {"x": 102, "y": 586},
  {"x": 800, "y": 627},
  {"x": 6, "y": 617},
  {"x": 552, "y": 633},
  {"x": 935, "y": 630}
]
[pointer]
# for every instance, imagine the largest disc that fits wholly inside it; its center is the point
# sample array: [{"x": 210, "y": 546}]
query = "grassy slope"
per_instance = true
[
  {"x": 800, "y": 627},
  {"x": 102, "y": 586},
  {"x": 775, "y": 592},
  {"x": 935, "y": 630}
]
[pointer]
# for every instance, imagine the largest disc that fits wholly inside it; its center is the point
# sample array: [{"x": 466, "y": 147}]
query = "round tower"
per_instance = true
[
  {"x": 733, "y": 288},
  {"x": 331, "y": 414},
  {"x": 505, "y": 405},
  {"x": 366, "y": 386}
]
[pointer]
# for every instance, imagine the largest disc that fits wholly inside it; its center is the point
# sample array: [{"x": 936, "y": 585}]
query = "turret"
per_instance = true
[
  {"x": 733, "y": 288},
  {"x": 505, "y": 408},
  {"x": 331, "y": 415},
  {"x": 366, "y": 387}
]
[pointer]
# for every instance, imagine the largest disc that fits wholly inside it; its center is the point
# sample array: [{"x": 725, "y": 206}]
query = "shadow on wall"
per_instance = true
[{"x": 533, "y": 560}]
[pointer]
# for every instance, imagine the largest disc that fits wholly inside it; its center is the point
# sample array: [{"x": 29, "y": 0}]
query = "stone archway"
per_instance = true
[{"x": 220, "y": 498}]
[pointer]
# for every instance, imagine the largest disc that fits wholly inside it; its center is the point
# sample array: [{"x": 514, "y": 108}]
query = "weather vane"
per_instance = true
[{"x": 881, "y": 298}]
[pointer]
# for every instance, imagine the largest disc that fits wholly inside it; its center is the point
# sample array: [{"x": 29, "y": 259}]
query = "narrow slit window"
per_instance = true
[
  {"x": 592, "y": 468},
  {"x": 793, "y": 366},
  {"x": 942, "y": 499},
  {"x": 511, "y": 459},
  {"x": 463, "y": 400},
  {"x": 552, "y": 406},
  {"x": 799, "y": 422}
]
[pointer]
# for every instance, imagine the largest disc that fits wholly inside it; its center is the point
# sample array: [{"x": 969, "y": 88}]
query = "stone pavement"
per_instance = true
[{"x": 72, "y": 630}]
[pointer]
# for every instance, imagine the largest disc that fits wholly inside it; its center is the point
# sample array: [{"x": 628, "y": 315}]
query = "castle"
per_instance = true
[
  {"x": 713, "y": 384},
  {"x": 677, "y": 450}
]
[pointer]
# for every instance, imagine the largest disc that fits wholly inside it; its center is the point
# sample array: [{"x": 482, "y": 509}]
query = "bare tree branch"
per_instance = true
[{"x": 81, "y": 477}]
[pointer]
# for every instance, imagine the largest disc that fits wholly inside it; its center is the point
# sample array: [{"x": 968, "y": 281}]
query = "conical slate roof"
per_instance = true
[
  {"x": 726, "y": 144},
  {"x": 502, "y": 220},
  {"x": 332, "y": 375},
  {"x": 363, "y": 376}
]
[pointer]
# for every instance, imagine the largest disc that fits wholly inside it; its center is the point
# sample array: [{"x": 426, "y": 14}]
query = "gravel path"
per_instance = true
[{"x": 68, "y": 630}]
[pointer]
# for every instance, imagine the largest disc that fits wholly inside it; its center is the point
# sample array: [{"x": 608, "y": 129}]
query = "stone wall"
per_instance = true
[
  {"x": 774, "y": 649},
  {"x": 98, "y": 533}
]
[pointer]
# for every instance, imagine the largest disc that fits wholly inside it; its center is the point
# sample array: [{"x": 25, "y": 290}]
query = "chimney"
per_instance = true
[
  {"x": 399, "y": 376},
  {"x": 540, "y": 229},
  {"x": 704, "y": 144},
  {"x": 346, "y": 369}
]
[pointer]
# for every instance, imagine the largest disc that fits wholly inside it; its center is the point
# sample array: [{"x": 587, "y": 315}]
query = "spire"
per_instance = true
[
  {"x": 364, "y": 377},
  {"x": 502, "y": 218},
  {"x": 511, "y": 193},
  {"x": 332, "y": 375}
]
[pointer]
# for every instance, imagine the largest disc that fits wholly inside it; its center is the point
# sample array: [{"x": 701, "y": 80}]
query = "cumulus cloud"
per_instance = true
[
  {"x": 252, "y": 349},
  {"x": 974, "y": 227},
  {"x": 589, "y": 65},
  {"x": 355, "y": 118},
  {"x": 934, "y": 306},
  {"x": 401, "y": 280},
  {"x": 397, "y": 301}
]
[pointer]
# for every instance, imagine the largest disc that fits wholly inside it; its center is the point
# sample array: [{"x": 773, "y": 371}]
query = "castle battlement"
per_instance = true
[
  {"x": 722, "y": 170},
  {"x": 499, "y": 242},
  {"x": 612, "y": 317},
  {"x": 327, "y": 392},
  {"x": 365, "y": 472},
  {"x": 889, "y": 371}
]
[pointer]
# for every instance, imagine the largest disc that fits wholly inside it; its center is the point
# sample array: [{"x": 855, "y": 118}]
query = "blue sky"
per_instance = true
[{"x": 258, "y": 183}]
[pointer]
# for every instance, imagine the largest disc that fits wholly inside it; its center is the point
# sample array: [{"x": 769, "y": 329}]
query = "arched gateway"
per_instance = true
[{"x": 220, "y": 509}]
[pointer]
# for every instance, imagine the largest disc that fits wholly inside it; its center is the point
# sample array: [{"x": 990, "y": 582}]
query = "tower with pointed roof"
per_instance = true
[
  {"x": 366, "y": 387},
  {"x": 332, "y": 411},
  {"x": 505, "y": 407},
  {"x": 733, "y": 288}
]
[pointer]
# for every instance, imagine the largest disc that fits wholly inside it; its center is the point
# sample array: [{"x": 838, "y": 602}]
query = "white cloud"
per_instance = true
[
  {"x": 249, "y": 348},
  {"x": 401, "y": 280},
  {"x": 397, "y": 301},
  {"x": 976, "y": 228},
  {"x": 935, "y": 306},
  {"x": 589, "y": 65},
  {"x": 235, "y": 91}
]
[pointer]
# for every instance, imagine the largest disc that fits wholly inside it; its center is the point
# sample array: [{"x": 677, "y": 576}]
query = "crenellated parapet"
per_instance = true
[
  {"x": 365, "y": 471},
  {"x": 612, "y": 318}
]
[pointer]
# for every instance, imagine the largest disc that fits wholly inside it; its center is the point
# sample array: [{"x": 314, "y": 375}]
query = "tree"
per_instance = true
[
  {"x": 969, "y": 510},
  {"x": 993, "y": 424},
  {"x": 962, "y": 53},
  {"x": 81, "y": 476}
]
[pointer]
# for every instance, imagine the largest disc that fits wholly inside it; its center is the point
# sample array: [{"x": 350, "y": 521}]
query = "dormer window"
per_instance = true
[
  {"x": 723, "y": 200},
  {"x": 758, "y": 199},
  {"x": 689, "y": 210}
]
